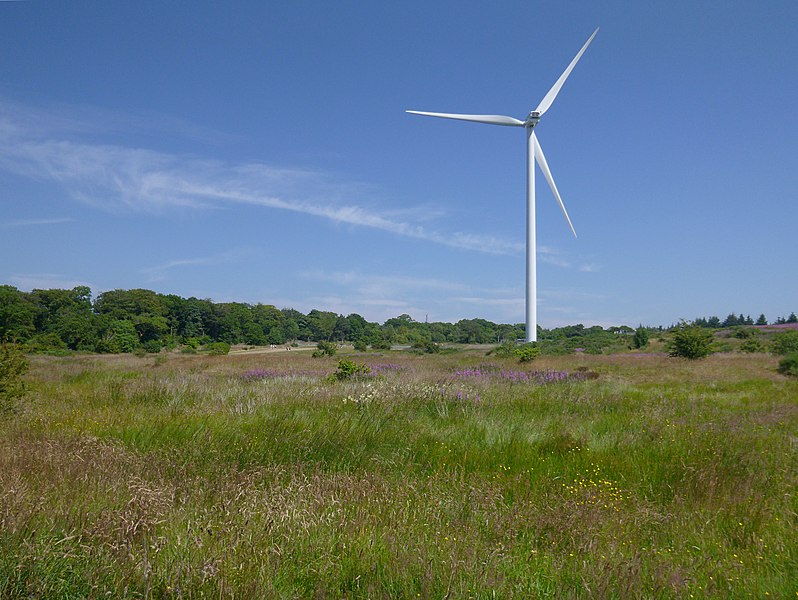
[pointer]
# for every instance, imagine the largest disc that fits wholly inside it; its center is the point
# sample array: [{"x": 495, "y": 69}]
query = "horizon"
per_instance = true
[{"x": 778, "y": 321}]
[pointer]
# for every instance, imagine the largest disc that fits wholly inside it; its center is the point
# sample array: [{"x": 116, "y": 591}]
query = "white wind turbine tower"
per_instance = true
[{"x": 533, "y": 150}]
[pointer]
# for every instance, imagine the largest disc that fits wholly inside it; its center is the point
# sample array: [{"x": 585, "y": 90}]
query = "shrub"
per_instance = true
[
  {"x": 527, "y": 352},
  {"x": 325, "y": 349},
  {"x": 348, "y": 369},
  {"x": 752, "y": 345},
  {"x": 424, "y": 346},
  {"x": 785, "y": 343},
  {"x": 689, "y": 341},
  {"x": 505, "y": 350},
  {"x": 13, "y": 365},
  {"x": 380, "y": 344},
  {"x": 216, "y": 348},
  {"x": 154, "y": 346},
  {"x": 789, "y": 365},
  {"x": 361, "y": 346}
]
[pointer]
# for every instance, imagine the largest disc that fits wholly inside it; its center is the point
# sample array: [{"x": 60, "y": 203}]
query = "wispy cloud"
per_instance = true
[
  {"x": 160, "y": 272},
  {"x": 383, "y": 289},
  {"x": 44, "y": 281},
  {"x": 115, "y": 178},
  {"x": 34, "y": 222}
]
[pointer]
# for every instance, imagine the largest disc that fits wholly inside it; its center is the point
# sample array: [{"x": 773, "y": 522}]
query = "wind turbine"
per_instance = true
[{"x": 534, "y": 152}]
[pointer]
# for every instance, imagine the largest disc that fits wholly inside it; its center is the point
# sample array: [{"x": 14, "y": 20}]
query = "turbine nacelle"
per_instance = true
[{"x": 532, "y": 119}]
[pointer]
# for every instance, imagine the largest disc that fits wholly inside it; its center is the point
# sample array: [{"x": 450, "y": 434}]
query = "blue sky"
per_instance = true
[{"x": 260, "y": 152}]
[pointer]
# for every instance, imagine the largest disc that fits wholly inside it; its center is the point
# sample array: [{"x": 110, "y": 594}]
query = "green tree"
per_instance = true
[
  {"x": 689, "y": 341},
  {"x": 793, "y": 318},
  {"x": 125, "y": 338},
  {"x": 762, "y": 320},
  {"x": 322, "y": 324},
  {"x": 17, "y": 314},
  {"x": 640, "y": 337}
]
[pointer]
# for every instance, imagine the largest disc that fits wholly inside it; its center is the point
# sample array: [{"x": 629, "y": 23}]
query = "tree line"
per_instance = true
[
  {"x": 733, "y": 320},
  {"x": 129, "y": 320},
  {"x": 140, "y": 319}
]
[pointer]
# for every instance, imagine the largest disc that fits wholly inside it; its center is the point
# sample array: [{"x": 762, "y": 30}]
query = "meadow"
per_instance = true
[{"x": 440, "y": 476}]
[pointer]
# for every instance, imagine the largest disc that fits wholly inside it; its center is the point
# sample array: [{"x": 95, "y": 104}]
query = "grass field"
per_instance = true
[{"x": 456, "y": 476}]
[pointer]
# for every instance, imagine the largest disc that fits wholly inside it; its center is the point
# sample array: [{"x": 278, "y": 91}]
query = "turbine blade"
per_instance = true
[
  {"x": 489, "y": 119},
  {"x": 549, "y": 98},
  {"x": 540, "y": 157}
]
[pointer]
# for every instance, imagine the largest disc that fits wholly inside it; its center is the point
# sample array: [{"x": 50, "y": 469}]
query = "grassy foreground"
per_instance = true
[{"x": 443, "y": 477}]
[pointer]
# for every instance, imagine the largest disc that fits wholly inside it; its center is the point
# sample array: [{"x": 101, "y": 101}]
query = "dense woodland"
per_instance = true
[{"x": 139, "y": 319}]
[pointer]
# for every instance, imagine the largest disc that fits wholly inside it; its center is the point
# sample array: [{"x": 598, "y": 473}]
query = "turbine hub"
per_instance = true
[{"x": 532, "y": 119}]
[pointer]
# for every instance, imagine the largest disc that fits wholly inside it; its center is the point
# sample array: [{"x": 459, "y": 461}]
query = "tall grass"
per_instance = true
[{"x": 132, "y": 477}]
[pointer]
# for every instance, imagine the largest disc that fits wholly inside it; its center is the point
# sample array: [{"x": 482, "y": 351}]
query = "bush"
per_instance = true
[
  {"x": 325, "y": 349},
  {"x": 216, "y": 348},
  {"x": 789, "y": 365},
  {"x": 349, "y": 370},
  {"x": 380, "y": 344},
  {"x": 426, "y": 347},
  {"x": 785, "y": 343},
  {"x": 361, "y": 346},
  {"x": 689, "y": 341},
  {"x": 154, "y": 346},
  {"x": 505, "y": 350},
  {"x": 13, "y": 365},
  {"x": 752, "y": 345},
  {"x": 527, "y": 352}
]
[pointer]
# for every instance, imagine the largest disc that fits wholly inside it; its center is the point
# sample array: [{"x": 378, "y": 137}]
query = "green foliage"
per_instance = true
[
  {"x": 360, "y": 345},
  {"x": 640, "y": 337},
  {"x": 527, "y": 352},
  {"x": 785, "y": 343},
  {"x": 325, "y": 348},
  {"x": 380, "y": 343},
  {"x": 348, "y": 369},
  {"x": 13, "y": 365},
  {"x": 752, "y": 345},
  {"x": 58, "y": 320},
  {"x": 46, "y": 342},
  {"x": 504, "y": 350},
  {"x": 216, "y": 348},
  {"x": 425, "y": 346},
  {"x": 592, "y": 340},
  {"x": 689, "y": 341},
  {"x": 789, "y": 365},
  {"x": 125, "y": 338},
  {"x": 16, "y": 314}
]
